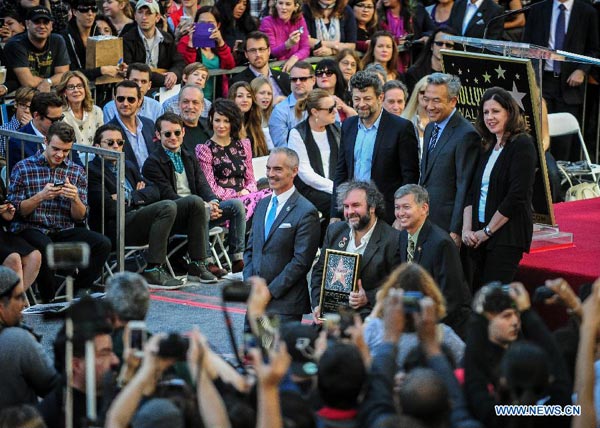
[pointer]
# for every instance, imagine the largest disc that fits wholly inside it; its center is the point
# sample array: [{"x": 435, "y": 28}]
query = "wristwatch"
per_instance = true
[
  {"x": 488, "y": 231},
  {"x": 49, "y": 82}
]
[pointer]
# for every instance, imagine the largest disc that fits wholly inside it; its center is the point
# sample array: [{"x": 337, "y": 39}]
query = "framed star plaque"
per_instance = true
[
  {"x": 478, "y": 72},
  {"x": 340, "y": 277}
]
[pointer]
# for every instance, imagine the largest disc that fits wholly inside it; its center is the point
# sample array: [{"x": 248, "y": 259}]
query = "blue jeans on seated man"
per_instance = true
[{"x": 234, "y": 211}]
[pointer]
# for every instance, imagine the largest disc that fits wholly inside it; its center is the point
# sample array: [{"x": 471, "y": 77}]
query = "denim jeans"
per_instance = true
[{"x": 234, "y": 211}]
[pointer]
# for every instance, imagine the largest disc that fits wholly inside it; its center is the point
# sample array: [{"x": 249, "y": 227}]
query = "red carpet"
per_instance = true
[{"x": 578, "y": 264}]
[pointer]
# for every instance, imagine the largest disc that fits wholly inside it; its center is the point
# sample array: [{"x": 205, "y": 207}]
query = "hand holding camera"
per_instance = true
[
  {"x": 393, "y": 315},
  {"x": 558, "y": 291},
  {"x": 426, "y": 326},
  {"x": 270, "y": 374}
]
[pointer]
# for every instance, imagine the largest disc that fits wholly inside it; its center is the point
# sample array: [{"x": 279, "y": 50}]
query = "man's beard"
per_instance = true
[{"x": 363, "y": 221}]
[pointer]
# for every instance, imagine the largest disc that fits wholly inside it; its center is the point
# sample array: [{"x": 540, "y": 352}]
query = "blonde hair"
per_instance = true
[
  {"x": 412, "y": 277},
  {"x": 312, "y": 100},
  {"x": 256, "y": 84},
  {"x": 88, "y": 102},
  {"x": 413, "y": 103}
]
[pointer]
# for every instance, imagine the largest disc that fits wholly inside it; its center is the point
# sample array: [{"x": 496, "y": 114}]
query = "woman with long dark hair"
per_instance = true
[
  {"x": 497, "y": 222},
  {"x": 236, "y": 21},
  {"x": 383, "y": 50},
  {"x": 242, "y": 95},
  {"x": 226, "y": 158},
  {"x": 330, "y": 78}
]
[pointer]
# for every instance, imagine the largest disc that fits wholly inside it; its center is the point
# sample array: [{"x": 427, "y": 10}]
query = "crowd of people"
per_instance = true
[{"x": 366, "y": 153}]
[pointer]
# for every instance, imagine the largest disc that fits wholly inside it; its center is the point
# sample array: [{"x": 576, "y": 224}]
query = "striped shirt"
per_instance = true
[{"x": 29, "y": 177}]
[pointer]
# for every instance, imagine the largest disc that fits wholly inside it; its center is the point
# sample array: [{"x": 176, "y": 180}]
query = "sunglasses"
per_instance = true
[
  {"x": 111, "y": 143},
  {"x": 169, "y": 133},
  {"x": 130, "y": 100},
  {"x": 329, "y": 109},
  {"x": 323, "y": 73},
  {"x": 55, "y": 119},
  {"x": 87, "y": 9},
  {"x": 300, "y": 79},
  {"x": 444, "y": 44}
]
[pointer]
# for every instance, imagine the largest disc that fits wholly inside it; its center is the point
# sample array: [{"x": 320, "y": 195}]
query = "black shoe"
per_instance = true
[
  {"x": 159, "y": 279},
  {"x": 198, "y": 272}
]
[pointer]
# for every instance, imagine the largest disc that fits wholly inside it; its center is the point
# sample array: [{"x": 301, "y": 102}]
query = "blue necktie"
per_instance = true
[
  {"x": 559, "y": 35},
  {"x": 271, "y": 216},
  {"x": 433, "y": 139}
]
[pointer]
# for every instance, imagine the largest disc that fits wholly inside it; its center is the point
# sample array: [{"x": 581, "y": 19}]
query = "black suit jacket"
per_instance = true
[
  {"x": 147, "y": 132},
  {"x": 395, "y": 158},
  {"x": 510, "y": 192},
  {"x": 476, "y": 26},
  {"x": 169, "y": 57},
  {"x": 437, "y": 253},
  {"x": 581, "y": 38},
  {"x": 282, "y": 79},
  {"x": 285, "y": 257},
  {"x": 159, "y": 169},
  {"x": 447, "y": 171},
  {"x": 97, "y": 193},
  {"x": 377, "y": 261}
]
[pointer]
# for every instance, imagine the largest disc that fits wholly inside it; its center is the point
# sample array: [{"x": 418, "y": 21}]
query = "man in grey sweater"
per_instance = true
[{"x": 26, "y": 372}]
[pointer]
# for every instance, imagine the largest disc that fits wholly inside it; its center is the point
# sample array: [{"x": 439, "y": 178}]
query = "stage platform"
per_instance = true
[{"x": 578, "y": 264}]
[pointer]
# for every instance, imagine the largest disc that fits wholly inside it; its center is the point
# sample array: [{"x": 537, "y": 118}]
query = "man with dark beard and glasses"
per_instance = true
[{"x": 363, "y": 232}]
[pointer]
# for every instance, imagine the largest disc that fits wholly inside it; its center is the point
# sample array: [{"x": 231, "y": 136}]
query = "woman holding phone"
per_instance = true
[
  {"x": 213, "y": 57},
  {"x": 287, "y": 33}
]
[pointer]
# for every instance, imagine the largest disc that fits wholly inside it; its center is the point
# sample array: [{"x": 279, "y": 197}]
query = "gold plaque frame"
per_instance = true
[{"x": 340, "y": 277}]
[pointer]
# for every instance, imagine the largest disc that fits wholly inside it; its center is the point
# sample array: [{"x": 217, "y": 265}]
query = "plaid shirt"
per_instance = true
[
  {"x": 13, "y": 125},
  {"x": 29, "y": 177}
]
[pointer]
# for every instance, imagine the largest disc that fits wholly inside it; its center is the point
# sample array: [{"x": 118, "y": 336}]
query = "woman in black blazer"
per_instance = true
[{"x": 497, "y": 223}]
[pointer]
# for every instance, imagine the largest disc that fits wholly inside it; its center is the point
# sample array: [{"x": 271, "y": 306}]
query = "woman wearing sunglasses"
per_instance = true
[
  {"x": 430, "y": 59},
  {"x": 78, "y": 105},
  {"x": 317, "y": 142},
  {"x": 226, "y": 158},
  {"x": 330, "y": 78}
]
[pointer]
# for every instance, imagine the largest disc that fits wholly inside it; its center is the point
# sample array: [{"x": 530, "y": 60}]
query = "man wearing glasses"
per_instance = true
[
  {"x": 27, "y": 372},
  {"x": 258, "y": 50},
  {"x": 45, "y": 108},
  {"x": 283, "y": 118},
  {"x": 49, "y": 193},
  {"x": 137, "y": 130},
  {"x": 148, "y": 220},
  {"x": 37, "y": 57}
]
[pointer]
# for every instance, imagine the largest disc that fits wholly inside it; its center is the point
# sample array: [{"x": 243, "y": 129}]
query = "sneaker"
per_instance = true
[
  {"x": 198, "y": 272},
  {"x": 238, "y": 266},
  {"x": 216, "y": 270},
  {"x": 159, "y": 279}
]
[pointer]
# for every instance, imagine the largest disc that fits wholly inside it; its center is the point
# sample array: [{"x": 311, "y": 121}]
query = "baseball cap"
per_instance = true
[
  {"x": 150, "y": 4},
  {"x": 158, "y": 412},
  {"x": 8, "y": 279},
  {"x": 38, "y": 12},
  {"x": 300, "y": 342}
]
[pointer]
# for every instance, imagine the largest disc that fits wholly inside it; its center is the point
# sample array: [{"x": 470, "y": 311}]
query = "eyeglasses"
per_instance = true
[
  {"x": 73, "y": 87},
  {"x": 55, "y": 119},
  {"x": 23, "y": 106},
  {"x": 348, "y": 63},
  {"x": 300, "y": 79},
  {"x": 169, "y": 133},
  {"x": 110, "y": 142},
  {"x": 254, "y": 51},
  {"x": 87, "y": 9},
  {"x": 328, "y": 109},
  {"x": 444, "y": 44},
  {"x": 365, "y": 6},
  {"x": 130, "y": 100},
  {"x": 323, "y": 73}
]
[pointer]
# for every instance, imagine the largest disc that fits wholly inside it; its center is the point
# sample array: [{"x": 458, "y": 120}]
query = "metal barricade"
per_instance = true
[{"x": 84, "y": 153}]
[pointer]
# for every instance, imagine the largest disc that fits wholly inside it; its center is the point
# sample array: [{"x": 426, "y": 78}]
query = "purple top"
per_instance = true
[{"x": 278, "y": 32}]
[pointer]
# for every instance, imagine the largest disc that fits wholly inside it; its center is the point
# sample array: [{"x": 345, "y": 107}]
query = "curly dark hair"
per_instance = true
[
  {"x": 515, "y": 124},
  {"x": 231, "y": 111},
  {"x": 374, "y": 196},
  {"x": 366, "y": 79}
]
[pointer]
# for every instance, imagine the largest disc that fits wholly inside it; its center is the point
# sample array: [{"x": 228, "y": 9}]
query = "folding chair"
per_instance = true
[
  {"x": 131, "y": 252},
  {"x": 566, "y": 124}
]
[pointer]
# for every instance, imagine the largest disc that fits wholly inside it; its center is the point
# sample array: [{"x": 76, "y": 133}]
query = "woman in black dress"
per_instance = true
[{"x": 15, "y": 252}]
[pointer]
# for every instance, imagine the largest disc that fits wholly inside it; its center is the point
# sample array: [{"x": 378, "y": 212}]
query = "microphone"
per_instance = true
[{"x": 505, "y": 15}]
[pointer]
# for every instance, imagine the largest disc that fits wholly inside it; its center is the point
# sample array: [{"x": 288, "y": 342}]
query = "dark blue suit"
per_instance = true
[
  {"x": 147, "y": 132},
  {"x": 284, "y": 258},
  {"x": 395, "y": 159},
  {"x": 29, "y": 149}
]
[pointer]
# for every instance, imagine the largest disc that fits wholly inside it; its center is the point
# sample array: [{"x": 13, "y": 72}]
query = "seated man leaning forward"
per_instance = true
[
  {"x": 49, "y": 192},
  {"x": 148, "y": 220},
  {"x": 176, "y": 173}
]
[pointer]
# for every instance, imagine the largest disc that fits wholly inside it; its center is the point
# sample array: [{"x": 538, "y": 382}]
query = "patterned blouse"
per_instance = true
[{"x": 228, "y": 170}]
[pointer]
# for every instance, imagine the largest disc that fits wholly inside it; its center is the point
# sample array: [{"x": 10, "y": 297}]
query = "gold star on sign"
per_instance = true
[
  {"x": 500, "y": 71},
  {"x": 487, "y": 77}
]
